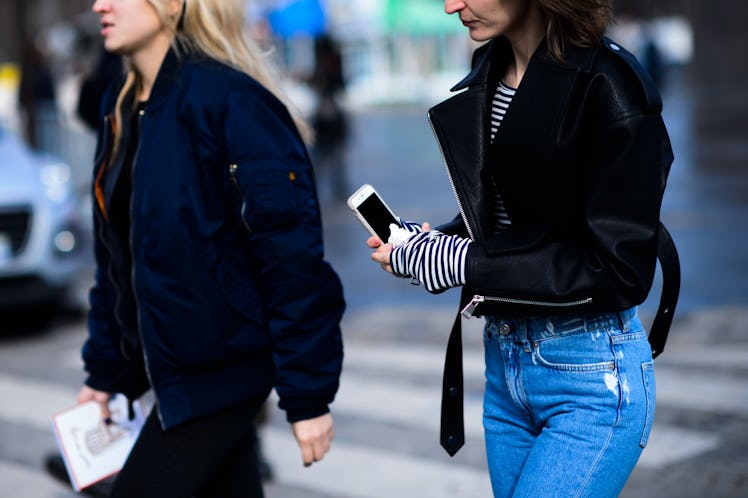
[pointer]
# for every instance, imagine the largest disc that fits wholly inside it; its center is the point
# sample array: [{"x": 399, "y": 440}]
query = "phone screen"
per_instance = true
[{"x": 377, "y": 215}]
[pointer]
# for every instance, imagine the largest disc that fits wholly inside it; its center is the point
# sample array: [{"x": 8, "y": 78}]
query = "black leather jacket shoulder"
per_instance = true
[{"x": 580, "y": 161}]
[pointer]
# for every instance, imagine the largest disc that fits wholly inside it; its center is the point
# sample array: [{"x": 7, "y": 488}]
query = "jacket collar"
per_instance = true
[
  {"x": 461, "y": 124},
  {"x": 498, "y": 51},
  {"x": 484, "y": 60},
  {"x": 168, "y": 73}
]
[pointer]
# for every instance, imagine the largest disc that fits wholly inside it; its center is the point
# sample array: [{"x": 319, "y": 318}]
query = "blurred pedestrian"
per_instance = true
[
  {"x": 211, "y": 287},
  {"x": 329, "y": 118},
  {"x": 109, "y": 70},
  {"x": 558, "y": 156},
  {"x": 652, "y": 60},
  {"x": 38, "y": 100}
]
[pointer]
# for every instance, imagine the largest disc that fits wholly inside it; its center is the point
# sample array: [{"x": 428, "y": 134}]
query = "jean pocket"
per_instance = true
[
  {"x": 578, "y": 352},
  {"x": 649, "y": 395}
]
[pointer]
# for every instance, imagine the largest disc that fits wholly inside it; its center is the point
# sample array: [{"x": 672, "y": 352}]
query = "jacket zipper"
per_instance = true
[
  {"x": 138, "y": 317},
  {"x": 468, "y": 310},
  {"x": 451, "y": 181},
  {"x": 232, "y": 172}
]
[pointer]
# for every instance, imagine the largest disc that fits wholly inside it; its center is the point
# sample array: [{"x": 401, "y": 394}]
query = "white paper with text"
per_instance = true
[{"x": 93, "y": 450}]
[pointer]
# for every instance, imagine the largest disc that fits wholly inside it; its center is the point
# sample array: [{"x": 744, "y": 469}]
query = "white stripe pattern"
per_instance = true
[
  {"x": 437, "y": 260},
  {"x": 433, "y": 258},
  {"x": 501, "y": 100}
]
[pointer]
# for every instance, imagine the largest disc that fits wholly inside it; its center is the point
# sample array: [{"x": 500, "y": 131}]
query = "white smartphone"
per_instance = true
[{"x": 372, "y": 212}]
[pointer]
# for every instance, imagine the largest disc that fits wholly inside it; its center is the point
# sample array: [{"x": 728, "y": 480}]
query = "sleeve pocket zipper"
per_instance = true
[{"x": 232, "y": 172}]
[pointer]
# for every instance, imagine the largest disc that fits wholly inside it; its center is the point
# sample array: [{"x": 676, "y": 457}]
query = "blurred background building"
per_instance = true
[{"x": 394, "y": 51}]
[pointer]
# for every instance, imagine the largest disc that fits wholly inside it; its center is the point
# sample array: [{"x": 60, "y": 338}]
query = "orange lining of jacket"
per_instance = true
[{"x": 98, "y": 189}]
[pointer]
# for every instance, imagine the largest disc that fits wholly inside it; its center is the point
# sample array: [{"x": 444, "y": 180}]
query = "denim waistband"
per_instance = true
[{"x": 543, "y": 327}]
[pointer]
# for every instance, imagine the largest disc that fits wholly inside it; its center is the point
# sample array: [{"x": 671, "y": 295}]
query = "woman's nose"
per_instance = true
[
  {"x": 452, "y": 6},
  {"x": 100, "y": 6}
]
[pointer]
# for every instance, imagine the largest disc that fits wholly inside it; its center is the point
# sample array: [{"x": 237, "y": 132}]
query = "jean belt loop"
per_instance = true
[{"x": 625, "y": 317}]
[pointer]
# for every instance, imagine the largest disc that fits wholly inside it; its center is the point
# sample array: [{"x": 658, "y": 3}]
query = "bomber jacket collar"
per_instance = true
[{"x": 167, "y": 75}]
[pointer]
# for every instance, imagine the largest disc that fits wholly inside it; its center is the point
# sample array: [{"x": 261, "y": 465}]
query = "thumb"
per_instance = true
[{"x": 103, "y": 400}]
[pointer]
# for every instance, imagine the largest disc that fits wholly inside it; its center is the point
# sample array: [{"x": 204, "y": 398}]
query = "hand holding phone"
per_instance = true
[{"x": 372, "y": 212}]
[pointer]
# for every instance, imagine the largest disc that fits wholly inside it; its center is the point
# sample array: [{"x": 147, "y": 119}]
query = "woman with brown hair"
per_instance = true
[{"x": 558, "y": 156}]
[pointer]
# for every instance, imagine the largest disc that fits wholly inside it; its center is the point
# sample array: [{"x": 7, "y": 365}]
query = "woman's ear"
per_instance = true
[
  {"x": 175, "y": 8},
  {"x": 176, "y": 12}
]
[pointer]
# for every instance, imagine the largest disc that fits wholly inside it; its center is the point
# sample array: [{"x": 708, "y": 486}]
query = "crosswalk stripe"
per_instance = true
[
  {"x": 19, "y": 481},
  {"x": 350, "y": 470},
  {"x": 357, "y": 471},
  {"x": 410, "y": 359},
  {"x": 703, "y": 391},
  {"x": 32, "y": 403},
  {"x": 694, "y": 356},
  {"x": 429, "y": 359},
  {"x": 668, "y": 444},
  {"x": 399, "y": 403}
]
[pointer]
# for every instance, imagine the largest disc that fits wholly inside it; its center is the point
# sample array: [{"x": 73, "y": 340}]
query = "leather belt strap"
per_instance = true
[
  {"x": 670, "y": 264},
  {"x": 452, "y": 432}
]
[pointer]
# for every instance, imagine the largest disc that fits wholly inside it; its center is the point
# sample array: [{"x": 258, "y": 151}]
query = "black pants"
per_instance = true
[{"x": 204, "y": 458}]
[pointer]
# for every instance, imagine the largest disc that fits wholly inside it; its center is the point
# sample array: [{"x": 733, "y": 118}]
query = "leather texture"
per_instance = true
[{"x": 581, "y": 159}]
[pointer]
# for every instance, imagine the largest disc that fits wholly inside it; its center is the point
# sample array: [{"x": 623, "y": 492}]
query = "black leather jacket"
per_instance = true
[{"x": 581, "y": 159}]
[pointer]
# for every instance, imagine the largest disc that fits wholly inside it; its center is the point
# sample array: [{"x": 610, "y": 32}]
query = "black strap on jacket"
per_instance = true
[
  {"x": 452, "y": 432},
  {"x": 670, "y": 264}
]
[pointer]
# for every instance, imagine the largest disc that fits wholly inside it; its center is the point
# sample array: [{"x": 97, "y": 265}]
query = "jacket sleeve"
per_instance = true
[
  {"x": 609, "y": 264},
  {"x": 303, "y": 295}
]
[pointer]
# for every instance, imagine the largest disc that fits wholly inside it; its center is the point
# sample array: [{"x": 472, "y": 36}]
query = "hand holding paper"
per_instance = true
[{"x": 94, "y": 450}]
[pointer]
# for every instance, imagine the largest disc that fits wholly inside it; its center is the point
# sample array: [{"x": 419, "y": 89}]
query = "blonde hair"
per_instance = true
[{"x": 215, "y": 28}]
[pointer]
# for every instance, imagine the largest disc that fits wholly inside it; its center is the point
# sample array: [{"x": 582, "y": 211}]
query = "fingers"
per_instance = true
[
  {"x": 373, "y": 242},
  {"x": 382, "y": 256},
  {"x": 87, "y": 394},
  {"x": 314, "y": 437},
  {"x": 426, "y": 227},
  {"x": 314, "y": 451}
]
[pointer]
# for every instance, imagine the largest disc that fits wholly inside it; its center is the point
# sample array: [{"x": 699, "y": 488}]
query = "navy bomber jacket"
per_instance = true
[{"x": 232, "y": 296}]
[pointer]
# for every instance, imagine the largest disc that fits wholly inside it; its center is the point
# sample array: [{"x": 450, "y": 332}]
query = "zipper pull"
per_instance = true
[
  {"x": 468, "y": 310},
  {"x": 233, "y": 167}
]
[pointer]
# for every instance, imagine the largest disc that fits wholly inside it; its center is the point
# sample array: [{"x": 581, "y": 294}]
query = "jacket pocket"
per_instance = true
[{"x": 266, "y": 194}]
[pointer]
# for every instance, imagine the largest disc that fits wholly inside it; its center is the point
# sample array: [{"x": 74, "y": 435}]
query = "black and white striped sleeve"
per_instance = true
[{"x": 433, "y": 258}]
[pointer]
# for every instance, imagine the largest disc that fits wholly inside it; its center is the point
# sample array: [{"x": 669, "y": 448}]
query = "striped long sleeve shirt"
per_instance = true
[{"x": 438, "y": 260}]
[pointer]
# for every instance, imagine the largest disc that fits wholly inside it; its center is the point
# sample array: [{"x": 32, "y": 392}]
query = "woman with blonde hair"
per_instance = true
[{"x": 211, "y": 285}]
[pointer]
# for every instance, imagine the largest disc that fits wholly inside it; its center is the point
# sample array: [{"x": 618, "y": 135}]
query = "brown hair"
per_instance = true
[{"x": 576, "y": 22}]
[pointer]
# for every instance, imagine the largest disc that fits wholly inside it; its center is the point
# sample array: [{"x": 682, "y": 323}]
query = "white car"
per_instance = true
[{"x": 45, "y": 234}]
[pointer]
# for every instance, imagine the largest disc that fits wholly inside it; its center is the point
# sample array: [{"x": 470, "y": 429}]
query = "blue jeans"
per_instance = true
[{"x": 569, "y": 403}]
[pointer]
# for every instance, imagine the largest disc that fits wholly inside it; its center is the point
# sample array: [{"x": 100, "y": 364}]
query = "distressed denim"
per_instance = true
[{"x": 568, "y": 405}]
